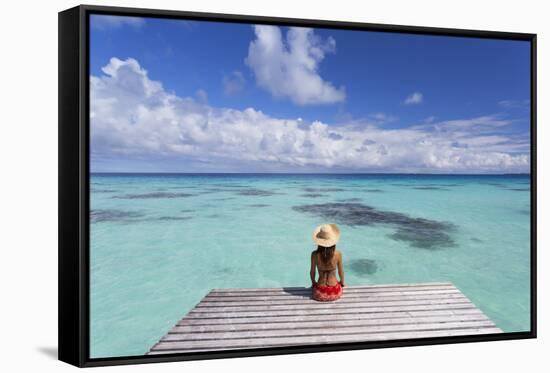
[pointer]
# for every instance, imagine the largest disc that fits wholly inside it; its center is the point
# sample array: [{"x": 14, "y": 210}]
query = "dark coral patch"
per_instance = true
[
  {"x": 363, "y": 267},
  {"x": 424, "y": 234},
  {"x": 418, "y": 232}
]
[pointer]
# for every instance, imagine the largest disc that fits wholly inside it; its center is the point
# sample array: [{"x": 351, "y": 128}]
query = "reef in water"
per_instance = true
[
  {"x": 363, "y": 267},
  {"x": 418, "y": 232}
]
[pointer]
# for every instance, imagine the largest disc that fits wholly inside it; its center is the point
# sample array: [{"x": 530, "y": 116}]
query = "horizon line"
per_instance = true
[{"x": 308, "y": 173}]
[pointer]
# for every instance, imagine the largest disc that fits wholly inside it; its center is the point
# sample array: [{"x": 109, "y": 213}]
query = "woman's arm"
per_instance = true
[
  {"x": 312, "y": 269},
  {"x": 341, "y": 269}
]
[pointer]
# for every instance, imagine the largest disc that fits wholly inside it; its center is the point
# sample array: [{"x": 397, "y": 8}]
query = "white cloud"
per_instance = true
[
  {"x": 487, "y": 122},
  {"x": 233, "y": 83},
  {"x": 514, "y": 104},
  {"x": 103, "y": 22},
  {"x": 290, "y": 68},
  {"x": 414, "y": 98},
  {"x": 382, "y": 118},
  {"x": 134, "y": 119}
]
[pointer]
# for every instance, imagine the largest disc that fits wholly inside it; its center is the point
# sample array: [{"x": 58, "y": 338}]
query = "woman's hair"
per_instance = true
[{"x": 326, "y": 253}]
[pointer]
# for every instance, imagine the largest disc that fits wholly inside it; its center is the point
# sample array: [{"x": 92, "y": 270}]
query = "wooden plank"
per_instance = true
[
  {"x": 293, "y": 341},
  {"x": 313, "y": 318},
  {"x": 350, "y": 293},
  {"x": 327, "y": 305},
  {"x": 378, "y": 286},
  {"x": 298, "y": 306},
  {"x": 206, "y": 302},
  {"x": 347, "y": 289},
  {"x": 286, "y": 291},
  {"x": 323, "y": 311},
  {"x": 322, "y": 324},
  {"x": 224, "y": 336}
]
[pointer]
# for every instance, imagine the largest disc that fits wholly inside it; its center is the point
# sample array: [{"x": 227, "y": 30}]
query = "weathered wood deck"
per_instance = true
[{"x": 252, "y": 318}]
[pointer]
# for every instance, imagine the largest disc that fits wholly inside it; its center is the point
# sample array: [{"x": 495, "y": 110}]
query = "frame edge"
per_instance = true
[{"x": 69, "y": 248}]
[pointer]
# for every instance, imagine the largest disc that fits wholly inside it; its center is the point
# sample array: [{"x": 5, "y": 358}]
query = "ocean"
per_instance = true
[{"x": 160, "y": 242}]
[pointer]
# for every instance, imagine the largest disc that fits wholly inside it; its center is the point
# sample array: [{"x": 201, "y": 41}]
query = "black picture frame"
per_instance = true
[{"x": 74, "y": 191}]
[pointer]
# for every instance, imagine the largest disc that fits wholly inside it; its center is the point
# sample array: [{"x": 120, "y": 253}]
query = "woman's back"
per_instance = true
[{"x": 327, "y": 269}]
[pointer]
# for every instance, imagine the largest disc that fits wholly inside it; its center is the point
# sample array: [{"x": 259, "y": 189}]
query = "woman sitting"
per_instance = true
[{"x": 326, "y": 259}]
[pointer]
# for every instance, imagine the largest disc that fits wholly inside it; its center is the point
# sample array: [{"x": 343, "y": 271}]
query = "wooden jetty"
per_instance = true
[{"x": 229, "y": 319}]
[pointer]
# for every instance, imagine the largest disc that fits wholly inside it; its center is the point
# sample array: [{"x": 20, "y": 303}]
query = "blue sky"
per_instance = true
[{"x": 299, "y": 99}]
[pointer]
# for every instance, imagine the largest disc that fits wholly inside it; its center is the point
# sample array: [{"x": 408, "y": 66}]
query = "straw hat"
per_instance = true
[{"x": 326, "y": 235}]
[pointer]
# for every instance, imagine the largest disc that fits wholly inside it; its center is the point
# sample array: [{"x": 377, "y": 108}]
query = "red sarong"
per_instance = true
[{"x": 326, "y": 293}]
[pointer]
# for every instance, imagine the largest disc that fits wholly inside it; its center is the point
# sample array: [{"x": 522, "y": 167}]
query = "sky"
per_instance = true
[{"x": 195, "y": 96}]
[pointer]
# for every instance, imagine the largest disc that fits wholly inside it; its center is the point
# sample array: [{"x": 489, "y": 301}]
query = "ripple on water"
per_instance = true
[
  {"x": 255, "y": 192},
  {"x": 113, "y": 215},
  {"x": 429, "y": 187},
  {"x": 173, "y": 218},
  {"x": 350, "y": 200},
  {"x": 317, "y": 190},
  {"x": 153, "y": 195},
  {"x": 103, "y": 191},
  {"x": 312, "y": 195}
]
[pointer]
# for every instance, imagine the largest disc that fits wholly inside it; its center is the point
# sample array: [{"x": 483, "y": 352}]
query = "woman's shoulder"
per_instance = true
[{"x": 338, "y": 253}]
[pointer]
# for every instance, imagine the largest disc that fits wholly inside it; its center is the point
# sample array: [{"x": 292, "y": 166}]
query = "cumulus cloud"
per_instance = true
[
  {"x": 414, "y": 99},
  {"x": 103, "y": 22},
  {"x": 133, "y": 118},
  {"x": 289, "y": 68}
]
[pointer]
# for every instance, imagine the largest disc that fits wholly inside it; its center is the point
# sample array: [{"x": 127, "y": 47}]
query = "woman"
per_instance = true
[{"x": 326, "y": 259}]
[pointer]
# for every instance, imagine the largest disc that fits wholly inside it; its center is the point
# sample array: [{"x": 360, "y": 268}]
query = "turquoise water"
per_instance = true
[{"x": 159, "y": 243}]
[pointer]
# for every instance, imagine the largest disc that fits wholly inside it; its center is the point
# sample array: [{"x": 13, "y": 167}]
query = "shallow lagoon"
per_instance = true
[{"x": 159, "y": 243}]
